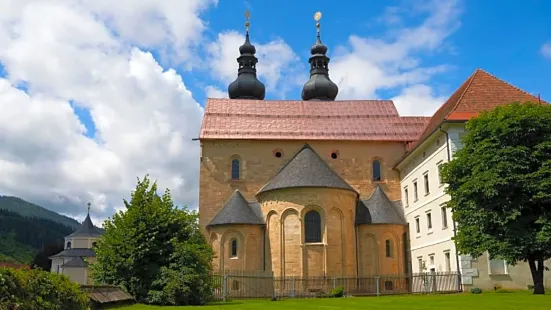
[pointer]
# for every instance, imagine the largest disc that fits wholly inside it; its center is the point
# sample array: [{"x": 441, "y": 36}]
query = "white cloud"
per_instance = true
[
  {"x": 418, "y": 100},
  {"x": 279, "y": 68},
  {"x": 546, "y": 50},
  {"x": 144, "y": 115},
  {"x": 368, "y": 65},
  {"x": 215, "y": 92}
]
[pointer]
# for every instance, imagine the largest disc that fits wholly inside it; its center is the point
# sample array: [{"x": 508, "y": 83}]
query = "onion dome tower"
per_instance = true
[
  {"x": 319, "y": 86},
  {"x": 247, "y": 86}
]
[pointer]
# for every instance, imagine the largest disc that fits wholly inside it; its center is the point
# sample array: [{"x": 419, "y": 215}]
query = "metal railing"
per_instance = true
[{"x": 261, "y": 284}]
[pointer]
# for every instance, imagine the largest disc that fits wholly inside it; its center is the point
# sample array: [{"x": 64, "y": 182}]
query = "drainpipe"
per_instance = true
[{"x": 454, "y": 227}]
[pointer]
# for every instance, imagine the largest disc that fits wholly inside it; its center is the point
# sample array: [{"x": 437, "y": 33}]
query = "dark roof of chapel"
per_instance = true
[
  {"x": 76, "y": 252},
  {"x": 86, "y": 229},
  {"x": 76, "y": 262},
  {"x": 378, "y": 209},
  {"x": 306, "y": 169},
  {"x": 238, "y": 211}
]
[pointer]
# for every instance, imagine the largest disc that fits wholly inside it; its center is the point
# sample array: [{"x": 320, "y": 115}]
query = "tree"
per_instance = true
[
  {"x": 500, "y": 187},
  {"x": 42, "y": 261},
  {"x": 155, "y": 251}
]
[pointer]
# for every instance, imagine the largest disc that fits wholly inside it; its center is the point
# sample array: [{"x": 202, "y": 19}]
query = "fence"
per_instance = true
[{"x": 242, "y": 285}]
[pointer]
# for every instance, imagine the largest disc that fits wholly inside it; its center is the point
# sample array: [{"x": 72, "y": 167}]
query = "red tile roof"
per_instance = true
[
  {"x": 480, "y": 92},
  {"x": 14, "y": 266},
  {"x": 366, "y": 120}
]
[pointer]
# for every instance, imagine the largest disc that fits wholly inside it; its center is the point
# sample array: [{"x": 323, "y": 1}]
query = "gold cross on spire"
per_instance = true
[{"x": 247, "y": 16}]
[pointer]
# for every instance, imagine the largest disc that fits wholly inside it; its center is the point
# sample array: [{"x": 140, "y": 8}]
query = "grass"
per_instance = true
[{"x": 486, "y": 301}]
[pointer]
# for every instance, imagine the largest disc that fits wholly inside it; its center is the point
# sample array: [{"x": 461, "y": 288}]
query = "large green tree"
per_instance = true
[
  {"x": 500, "y": 186},
  {"x": 155, "y": 251}
]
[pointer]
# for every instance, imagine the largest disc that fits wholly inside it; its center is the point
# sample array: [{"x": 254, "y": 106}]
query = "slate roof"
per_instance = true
[
  {"x": 306, "y": 169},
  {"x": 86, "y": 229},
  {"x": 76, "y": 262},
  {"x": 238, "y": 211},
  {"x": 480, "y": 92},
  {"x": 76, "y": 252},
  {"x": 359, "y": 120},
  {"x": 378, "y": 209}
]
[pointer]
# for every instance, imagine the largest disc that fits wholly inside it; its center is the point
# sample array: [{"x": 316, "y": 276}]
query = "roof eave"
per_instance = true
[{"x": 422, "y": 142}]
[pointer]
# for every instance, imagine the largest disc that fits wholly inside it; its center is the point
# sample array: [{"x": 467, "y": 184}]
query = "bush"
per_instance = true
[
  {"x": 38, "y": 289},
  {"x": 476, "y": 290},
  {"x": 337, "y": 292}
]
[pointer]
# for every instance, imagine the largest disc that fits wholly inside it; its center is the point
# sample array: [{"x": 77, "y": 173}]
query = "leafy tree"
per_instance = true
[
  {"x": 500, "y": 187},
  {"x": 155, "y": 251},
  {"x": 42, "y": 260}
]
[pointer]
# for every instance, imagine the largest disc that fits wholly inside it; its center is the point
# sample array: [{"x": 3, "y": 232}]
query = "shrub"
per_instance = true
[
  {"x": 476, "y": 290},
  {"x": 38, "y": 289},
  {"x": 337, "y": 292}
]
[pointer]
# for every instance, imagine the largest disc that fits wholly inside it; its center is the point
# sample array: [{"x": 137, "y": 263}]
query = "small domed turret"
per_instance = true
[
  {"x": 319, "y": 86},
  {"x": 247, "y": 85}
]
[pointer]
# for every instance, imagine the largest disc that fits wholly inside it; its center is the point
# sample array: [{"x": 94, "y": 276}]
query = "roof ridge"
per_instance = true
[{"x": 511, "y": 85}]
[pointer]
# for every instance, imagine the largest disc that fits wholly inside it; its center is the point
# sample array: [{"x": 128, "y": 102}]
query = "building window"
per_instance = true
[
  {"x": 389, "y": 246},
  {"x": 235, "y": 169},
  {"x": 233, "y": 248},
  {"x": 448, "y": 262},
  {"x": 94, "y": 244},
  {"x": 431, "y": 260},
  {"x": 235, "y": 285},
  {"x": 497, "y": 266},
  {"x": 437, "y": 142},
  {"x": 406, "y": 197},
  {"x": 420, "y": 263},
  {"x": 312, "y": 227},
  {"x": 415, "y": 193},
  {"x": 68, "y": 245},
  {"x": 376, "y": 170},
  {"x": 429, "y": 221},
  {"x": 426, "y": 181},
  {"x": 389, "y": 286},
  {"x": 57, "y": 269},
  {"x": 444, "y": 217},
  {"x": 417, "y": 226},
  {"x": 439, "y": 165}
]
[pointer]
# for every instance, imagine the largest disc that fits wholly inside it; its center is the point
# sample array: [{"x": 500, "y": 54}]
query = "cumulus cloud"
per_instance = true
[
  {"x": 368, "y": 65},
  {"x": 279, "y": 68},
  {"x": 546, "y": 50},
  {"x": 86, "y": 55},
  {"x": 215, "y": 92}
]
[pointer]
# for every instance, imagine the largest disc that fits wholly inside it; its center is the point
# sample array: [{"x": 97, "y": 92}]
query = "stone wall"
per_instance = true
[{"x": 259, "y": 164}]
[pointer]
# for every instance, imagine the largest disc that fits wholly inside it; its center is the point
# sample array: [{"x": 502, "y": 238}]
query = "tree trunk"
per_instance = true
[{"x": 537, "y": 275}]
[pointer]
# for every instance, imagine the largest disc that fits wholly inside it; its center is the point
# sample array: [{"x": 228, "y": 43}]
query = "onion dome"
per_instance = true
[
  {"x": 246, "y": 85},
  {"x": 319, "y": 86}
]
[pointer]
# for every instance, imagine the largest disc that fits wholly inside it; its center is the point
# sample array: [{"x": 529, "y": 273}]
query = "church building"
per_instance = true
[{"x": 323, "y": 187}]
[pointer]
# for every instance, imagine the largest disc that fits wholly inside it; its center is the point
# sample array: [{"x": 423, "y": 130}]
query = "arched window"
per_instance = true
[
  {"x": 312, "y": 227},
  {"x": 94, "y": 244},
  {"x": 234, "y": 248},
  {"x": 235, "y": 169},
  {"x": 69, "y": 245},
  {"x": 388, "y": 244},
  {"x": 376, "y": 170},
  {"x": 235, "y": 285}
]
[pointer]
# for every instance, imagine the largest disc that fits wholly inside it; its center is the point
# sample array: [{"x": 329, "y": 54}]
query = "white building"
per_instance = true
[
  {"x": 431, "y": 227},
  {"x": 79, "y": 251}
]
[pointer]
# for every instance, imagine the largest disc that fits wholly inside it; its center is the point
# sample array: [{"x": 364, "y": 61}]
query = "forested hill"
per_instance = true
[
  {"x": 27, "y": 209},
  {"x": 22, "y": 237}
]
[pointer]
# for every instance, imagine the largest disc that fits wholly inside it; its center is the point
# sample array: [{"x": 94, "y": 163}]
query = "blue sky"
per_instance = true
[
  {"x": 96, "y": 93},
  {"x": 504, "y": 39}
]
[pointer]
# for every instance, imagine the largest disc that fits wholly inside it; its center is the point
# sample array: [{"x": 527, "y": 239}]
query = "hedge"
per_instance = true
[{"x": 37, "y": 289}]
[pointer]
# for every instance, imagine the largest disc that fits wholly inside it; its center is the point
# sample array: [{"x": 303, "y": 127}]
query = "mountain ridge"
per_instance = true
[{"x": 31, "y": 210}]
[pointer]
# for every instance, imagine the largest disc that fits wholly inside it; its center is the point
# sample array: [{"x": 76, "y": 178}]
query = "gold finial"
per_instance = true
[
  {"x": 317, "y": 18},
  {"x": 247, "y": 16},
  {"x": 89, "y": 204}
]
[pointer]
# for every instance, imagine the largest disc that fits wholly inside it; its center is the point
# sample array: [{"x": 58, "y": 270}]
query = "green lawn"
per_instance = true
[{"x": 484, "y": 301}]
